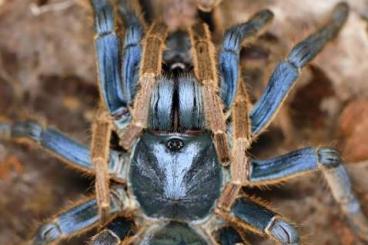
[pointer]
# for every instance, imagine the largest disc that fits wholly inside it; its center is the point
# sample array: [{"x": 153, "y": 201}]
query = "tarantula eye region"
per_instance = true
[
  {"x": 178, "y": 67},
  {"x": 174, "y": 144}
]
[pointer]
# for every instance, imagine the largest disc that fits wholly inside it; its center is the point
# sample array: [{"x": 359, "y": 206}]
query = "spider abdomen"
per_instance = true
[
  {"x": 175, "y": 176},
  {"x": 174, "y": 233}
]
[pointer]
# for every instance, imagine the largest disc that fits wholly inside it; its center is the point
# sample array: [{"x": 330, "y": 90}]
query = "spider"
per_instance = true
[{"x": 184, "y": 121}]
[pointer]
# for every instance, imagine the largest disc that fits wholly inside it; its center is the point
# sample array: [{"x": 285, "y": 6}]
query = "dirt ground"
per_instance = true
[{"x": 48, "y": 73}]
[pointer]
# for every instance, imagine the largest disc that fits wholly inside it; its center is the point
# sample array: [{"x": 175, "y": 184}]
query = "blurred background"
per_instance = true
[{"x": 48, "y": 73}]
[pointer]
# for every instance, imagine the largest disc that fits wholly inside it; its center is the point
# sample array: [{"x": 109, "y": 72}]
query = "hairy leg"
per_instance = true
[
  {"x": 241, "y": 137},
  {"x": 115, "y": 233},
  {"x": 310, "y": 159},
  {"x": 74, "y": 154},
  {"x": 100, "y": 151},
  {"x": 78, "y": 218},
  {"x": 241, "y": 141},
  {"x": 206, "y": 73},
  {"x": 108, "y": 61},
  {"x": 253, "y": 216},
  {"x": 132, "y": 49},
  {"x": 117, "y": 77},
  {"x": 287, "y": 72},
  {"x": 230, "y": 51},
  {"x": 150, "y": 68}
]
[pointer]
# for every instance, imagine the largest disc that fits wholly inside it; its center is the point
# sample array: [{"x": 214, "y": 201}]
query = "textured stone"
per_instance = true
[{"x": 353, "y": 125}]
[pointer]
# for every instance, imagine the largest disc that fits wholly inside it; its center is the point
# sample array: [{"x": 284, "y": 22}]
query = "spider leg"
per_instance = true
[
  {"x": 227, "y": 235},
  {"x": 74, "y": 154},
  {"x": 241, "y": 137},
  {"x": 239, "y": 167},
  {"x": 117, "y": 84},
  {"x": 78, "y": 218},
  {"x": 309, "y": 159},
  {"x": 205, "y": 71},
  {"x": 150, "y": 68},
  {"x": 132, "y": 49},
  {"x": 230, "y": 51},
  {"x": 100, "y": 149},
  {"x": 107, "y": 47},
  {"x": 250, "y": 215},
  {"x": 287, "y": 72},
  {"x": 115, "y": 233}
]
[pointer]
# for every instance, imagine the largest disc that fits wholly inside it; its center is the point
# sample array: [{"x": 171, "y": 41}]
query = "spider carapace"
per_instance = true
[
  {"x": 175, "y": 174},
  {"x": 185, "y": 124}
]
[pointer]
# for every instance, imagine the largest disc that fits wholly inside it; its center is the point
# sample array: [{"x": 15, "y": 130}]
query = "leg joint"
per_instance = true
[
  {"x": 282, "y": 232},
  {"x": 27, "y": 129},
  {"x": 328, "y": 157},
  {"x": 47, "y": 233}
]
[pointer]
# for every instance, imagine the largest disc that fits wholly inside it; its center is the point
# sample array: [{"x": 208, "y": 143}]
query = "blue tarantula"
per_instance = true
[{"x": 185, "y": 124}]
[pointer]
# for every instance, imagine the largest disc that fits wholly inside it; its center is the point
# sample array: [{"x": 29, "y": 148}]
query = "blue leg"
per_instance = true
[
  {"x": 115, "y": 233},
  {"x": 71, "y": 152},
  {"x": 79, "y": 218},
  {"x": 275, "y": 169},
  {"x": 287, "y": 72},
  {"x": 227, "y": 235},
  {"x": 229, "y": 55},
  {"x": 310, "y": 159},
  {"x": 132, "y": 49},
  {"x": 250, "y": 215},
  {"x": 117, "y": 83}
]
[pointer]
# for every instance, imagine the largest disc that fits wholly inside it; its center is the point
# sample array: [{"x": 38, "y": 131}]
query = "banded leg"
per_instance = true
[
  {"x": 132, "y": 49},
  {"x": 230, "y": 51},
  {"x": 100, "y": 148},
  {"x": 241, "y": 137},
  {"x": 205, "y": 71},
  {"x": 239, "y": 167},
  {"x": 287, "y": 72},
  {"x": 310, "y": 159},
  {"x": 117, "y": 84},
  {"x": 250, "y": 215},
  {"x": 74, "y": 154},
  {"x": 77, "y": 219},
  {"x": 150, "y": 68},
  {"x": 118, "y": 231}
]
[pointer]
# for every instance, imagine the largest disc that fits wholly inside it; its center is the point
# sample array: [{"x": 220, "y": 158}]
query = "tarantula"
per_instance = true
[{"x": 185, "y": 124}]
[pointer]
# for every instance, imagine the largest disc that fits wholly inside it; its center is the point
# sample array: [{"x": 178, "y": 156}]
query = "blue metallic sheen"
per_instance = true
[
  {"x": 70, "y": 150},
  {"x": 306, "y": 50},
  {"x": 162, "y": 107},
  {"x": 76, "y": 155},
  {"x": 79, "y": 217},
  {"x": 132, "y": 52},
  {"x": 191, "y": 114},
  {"x": 286, "y": 72},
  {"x": 82, "y": 216},
  {"x": 278, "y": 87},
  {"x": 293, "y": 163},
  {"x": 132, "y": 49},
  {"x": 109, "y": 73},
  {"x": 177, "y": 183},
  {"x": 252, "y": 213},
  {"x": 229, "y": 55}
]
